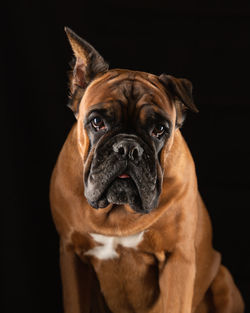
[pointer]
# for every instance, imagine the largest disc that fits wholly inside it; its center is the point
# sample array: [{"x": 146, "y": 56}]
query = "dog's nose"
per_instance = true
[{"x": 128, "y": 148}]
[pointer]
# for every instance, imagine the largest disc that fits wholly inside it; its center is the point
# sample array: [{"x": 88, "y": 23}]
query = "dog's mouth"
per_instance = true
[
  {"x": 123, "y": 190},
  {"x": 120, "y": 190}
]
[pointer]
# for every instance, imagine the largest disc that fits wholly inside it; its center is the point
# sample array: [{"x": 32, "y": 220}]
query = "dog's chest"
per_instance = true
[
  {"x": 106, "y": 246},
  {"x": 127, "y": 275}
]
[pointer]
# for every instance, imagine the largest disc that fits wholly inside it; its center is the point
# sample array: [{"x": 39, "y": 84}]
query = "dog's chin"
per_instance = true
[
  {"x": 121, "y": 191},
  {"x": 124, "y": 191}
]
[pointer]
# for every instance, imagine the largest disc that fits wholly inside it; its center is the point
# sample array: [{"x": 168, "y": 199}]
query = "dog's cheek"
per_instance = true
[
  {"x": 83, "y": 143},
  {"x": 165, "y": 152}
]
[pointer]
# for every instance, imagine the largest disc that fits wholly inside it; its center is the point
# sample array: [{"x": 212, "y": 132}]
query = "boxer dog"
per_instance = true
[{"x": 135, "y": 236}]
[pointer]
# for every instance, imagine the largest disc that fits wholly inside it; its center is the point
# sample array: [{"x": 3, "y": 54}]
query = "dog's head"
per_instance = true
[{"x": 125, "y": 124}]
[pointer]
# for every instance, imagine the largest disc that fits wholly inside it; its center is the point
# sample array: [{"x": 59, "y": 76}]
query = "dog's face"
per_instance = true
[
  {"x": 126, "y": 124},
  {"x": 128, "y": 120}
]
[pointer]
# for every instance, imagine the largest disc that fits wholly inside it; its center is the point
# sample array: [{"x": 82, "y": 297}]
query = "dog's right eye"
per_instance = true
[{"x": 98, "y": 123}]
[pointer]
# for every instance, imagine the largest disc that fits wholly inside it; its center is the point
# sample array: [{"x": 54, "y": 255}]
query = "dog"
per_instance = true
[{"x": 135, "y": 236}]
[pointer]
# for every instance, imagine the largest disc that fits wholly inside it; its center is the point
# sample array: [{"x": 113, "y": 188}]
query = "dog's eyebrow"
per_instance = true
[
  {"x": 103, "y": 108},
  {"x": 155, "y": 110},
  {"x": 104, "y": 105}
]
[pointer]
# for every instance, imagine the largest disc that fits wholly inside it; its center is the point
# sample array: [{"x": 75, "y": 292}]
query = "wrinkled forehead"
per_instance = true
[{"x": 129, "y": 91}]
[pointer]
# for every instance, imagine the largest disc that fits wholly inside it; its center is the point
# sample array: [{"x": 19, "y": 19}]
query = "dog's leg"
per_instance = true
[
  {"x": 225, "y": 294},
  {"x": 76, "y": 281},
  {"x": 177, "y": 283},
  {"x": 81, "y": 289}
]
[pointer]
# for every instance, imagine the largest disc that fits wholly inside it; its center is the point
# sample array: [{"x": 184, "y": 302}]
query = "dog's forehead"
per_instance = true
[{"x": 132, "y": 89}]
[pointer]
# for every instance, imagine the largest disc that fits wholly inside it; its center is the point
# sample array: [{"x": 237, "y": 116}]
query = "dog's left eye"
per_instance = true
[
  {"x": 98, "y": 123},
  {"x": 158, "y": 131}
]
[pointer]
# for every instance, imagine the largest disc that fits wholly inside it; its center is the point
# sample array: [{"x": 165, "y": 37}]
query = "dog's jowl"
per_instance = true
[{"x": 135, "y": 236}]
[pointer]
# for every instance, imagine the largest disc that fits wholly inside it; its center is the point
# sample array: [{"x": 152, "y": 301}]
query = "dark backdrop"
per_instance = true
[{"x": 209, "y": 44}]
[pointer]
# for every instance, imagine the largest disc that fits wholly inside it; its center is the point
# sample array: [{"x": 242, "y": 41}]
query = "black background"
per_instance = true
[{"x": 208, "y": 43}]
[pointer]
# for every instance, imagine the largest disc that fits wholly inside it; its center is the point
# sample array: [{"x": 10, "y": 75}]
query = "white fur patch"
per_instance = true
[{"x": 108, "y": 245}]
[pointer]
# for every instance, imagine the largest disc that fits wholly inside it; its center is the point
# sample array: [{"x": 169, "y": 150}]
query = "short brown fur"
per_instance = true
[{"x": 175, "y": 268}]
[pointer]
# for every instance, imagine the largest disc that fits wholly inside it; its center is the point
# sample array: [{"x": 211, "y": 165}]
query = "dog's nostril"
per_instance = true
[
  {"x": 134, "y": 154},
  {"x": 121, "y": 151}
]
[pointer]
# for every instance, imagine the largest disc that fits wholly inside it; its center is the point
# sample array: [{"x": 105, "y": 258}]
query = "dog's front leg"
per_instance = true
[
  {"x": 76, "y": 281},
  {"x": 177, "y": 282}
]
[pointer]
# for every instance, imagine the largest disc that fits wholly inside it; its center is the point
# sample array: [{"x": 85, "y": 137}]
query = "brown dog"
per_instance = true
[{"x": 135, "y": 234}]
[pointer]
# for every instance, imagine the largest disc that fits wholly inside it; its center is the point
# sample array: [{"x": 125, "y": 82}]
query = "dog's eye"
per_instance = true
[
  {"x": 158, "y": 131},
  {"x": 98, "y": 123}
]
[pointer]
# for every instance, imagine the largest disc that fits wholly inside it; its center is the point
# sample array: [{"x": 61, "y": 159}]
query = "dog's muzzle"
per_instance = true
[{"x": 123, "y": 171}]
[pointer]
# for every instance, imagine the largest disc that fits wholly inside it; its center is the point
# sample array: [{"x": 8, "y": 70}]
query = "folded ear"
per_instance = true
[
  {"x": 88, "y": 63},
  {"x": 180, "y": 91}
]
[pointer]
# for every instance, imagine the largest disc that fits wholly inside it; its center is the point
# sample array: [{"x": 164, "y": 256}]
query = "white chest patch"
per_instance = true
[{"x": 108, "y": 245}]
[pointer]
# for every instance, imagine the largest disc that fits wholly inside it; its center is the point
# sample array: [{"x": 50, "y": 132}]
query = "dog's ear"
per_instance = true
[
  {"x": 87, "y": 64},
  {"x": 180, "y": 91}
]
